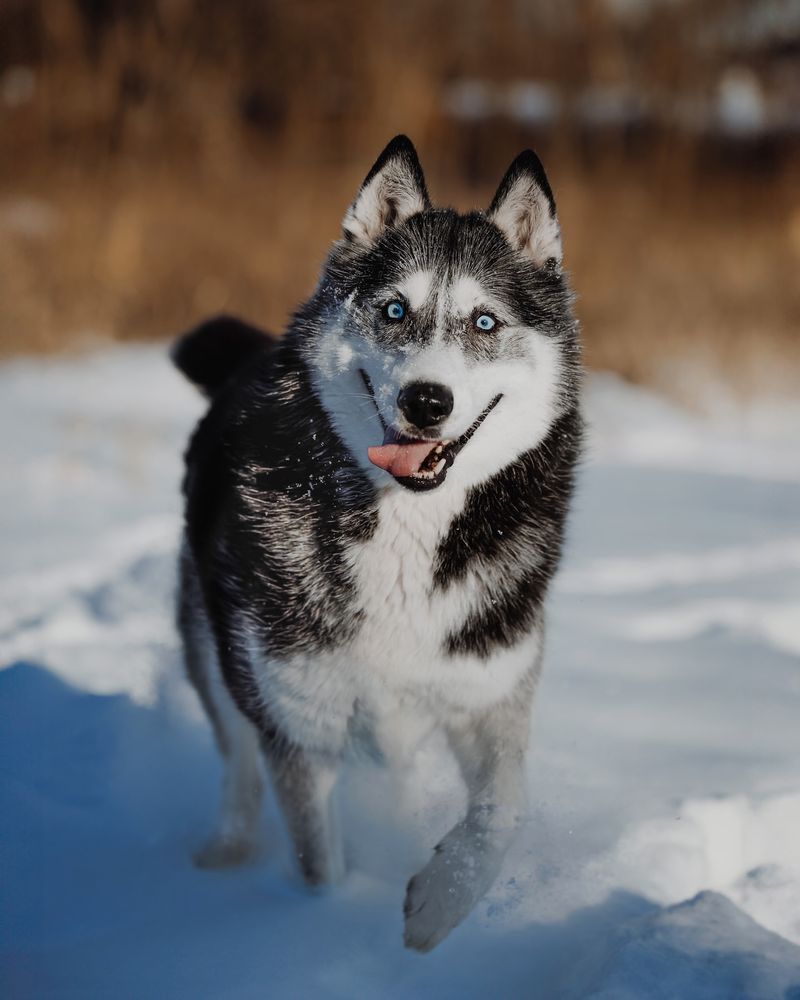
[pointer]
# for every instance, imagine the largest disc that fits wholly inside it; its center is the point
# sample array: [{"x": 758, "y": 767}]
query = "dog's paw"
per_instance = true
[
  {"x": 226, "y": 852},
  {"x": 439, "y": 897},
  {"x": 428, "y": 918},
  {"x": 437, "y": 900}
]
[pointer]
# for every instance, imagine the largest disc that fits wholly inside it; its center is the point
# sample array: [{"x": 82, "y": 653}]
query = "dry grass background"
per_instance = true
[{"x": 174, "y": 159}]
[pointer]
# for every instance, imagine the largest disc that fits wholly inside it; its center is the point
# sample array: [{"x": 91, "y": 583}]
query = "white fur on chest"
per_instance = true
[
  {"x": 396, "y": 672},
  {"x": 404, "y": 617}
]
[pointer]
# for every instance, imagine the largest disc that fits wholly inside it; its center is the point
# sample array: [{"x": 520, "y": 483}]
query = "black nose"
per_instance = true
[{"x": 425, "y": 404}]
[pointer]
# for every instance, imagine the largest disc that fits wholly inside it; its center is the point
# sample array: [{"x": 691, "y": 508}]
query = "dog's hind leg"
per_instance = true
[{"x": 236, "y": 839}]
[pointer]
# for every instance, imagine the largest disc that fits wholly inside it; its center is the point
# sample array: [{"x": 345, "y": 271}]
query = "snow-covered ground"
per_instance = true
[{"x": 661, "y": 858}]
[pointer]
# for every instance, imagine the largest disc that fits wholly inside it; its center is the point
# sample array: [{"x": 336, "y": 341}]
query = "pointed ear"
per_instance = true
[
  {"x": 393, "y": 190},
  {"x": 525, "y": 210}
]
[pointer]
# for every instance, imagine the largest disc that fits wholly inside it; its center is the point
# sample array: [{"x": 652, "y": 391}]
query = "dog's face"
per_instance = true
[{"x": 443, "y": 345}]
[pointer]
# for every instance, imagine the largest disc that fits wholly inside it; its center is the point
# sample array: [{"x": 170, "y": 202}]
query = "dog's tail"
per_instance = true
[{"x": 215, "y": 350}]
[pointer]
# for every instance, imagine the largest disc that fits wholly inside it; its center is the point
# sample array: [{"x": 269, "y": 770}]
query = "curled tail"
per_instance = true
[{"x": 212, "y": 352}]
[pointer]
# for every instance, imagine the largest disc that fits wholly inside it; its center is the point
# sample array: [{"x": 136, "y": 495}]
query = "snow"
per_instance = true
[
  {"x": 704, "y": 948},
  {"x": 661, "y": 857}
]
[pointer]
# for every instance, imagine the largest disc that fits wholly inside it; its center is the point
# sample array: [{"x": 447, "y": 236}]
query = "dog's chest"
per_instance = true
[
  {"x": 403, "y": 616},
  {"x": 394, "y": 569},
  {"x": 395, "y": 669}
]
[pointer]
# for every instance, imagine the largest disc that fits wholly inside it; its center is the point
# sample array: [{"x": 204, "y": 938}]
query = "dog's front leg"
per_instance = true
[
  {"x": 491, "y": 752},
  {"x": 304, "y": 783}
]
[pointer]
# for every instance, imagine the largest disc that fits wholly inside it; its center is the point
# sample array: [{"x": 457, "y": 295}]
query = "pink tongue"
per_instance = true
[{"x": 401, "y": 459}]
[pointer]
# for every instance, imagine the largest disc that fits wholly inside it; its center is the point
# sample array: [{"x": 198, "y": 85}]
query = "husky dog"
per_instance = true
[{"x": 375, "y": 507}]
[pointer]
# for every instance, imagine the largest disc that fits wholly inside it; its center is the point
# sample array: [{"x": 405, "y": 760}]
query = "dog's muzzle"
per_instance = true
[{"x": 422, "y": 463}]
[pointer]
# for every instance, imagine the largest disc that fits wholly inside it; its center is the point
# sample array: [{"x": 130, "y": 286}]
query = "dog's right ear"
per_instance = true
[{"x": 393, "y": 191}]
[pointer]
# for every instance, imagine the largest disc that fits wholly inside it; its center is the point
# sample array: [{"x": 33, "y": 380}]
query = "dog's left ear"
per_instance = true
[
  {"x": 393, "y": 191},
  {"x": 525, "y": 210}
]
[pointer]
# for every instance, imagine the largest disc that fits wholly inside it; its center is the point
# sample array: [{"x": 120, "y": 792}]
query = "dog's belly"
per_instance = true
[
  {"x": 396, "y": 666},
  {"x": 382, "y": 696}
]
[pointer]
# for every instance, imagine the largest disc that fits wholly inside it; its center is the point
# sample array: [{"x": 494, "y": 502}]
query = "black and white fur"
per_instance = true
[{"x": 322, "y": 598}]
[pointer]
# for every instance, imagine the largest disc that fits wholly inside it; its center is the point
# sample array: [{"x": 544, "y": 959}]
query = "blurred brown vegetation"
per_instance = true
[{"x": 164, "y": 159}]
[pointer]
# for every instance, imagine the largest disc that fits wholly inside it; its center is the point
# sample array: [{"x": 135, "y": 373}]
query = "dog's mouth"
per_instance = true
[{"x": 419, "y": 463}]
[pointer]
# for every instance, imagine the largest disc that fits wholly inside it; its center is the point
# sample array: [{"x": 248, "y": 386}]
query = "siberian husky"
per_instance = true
[{"x": 375, "y": 507}]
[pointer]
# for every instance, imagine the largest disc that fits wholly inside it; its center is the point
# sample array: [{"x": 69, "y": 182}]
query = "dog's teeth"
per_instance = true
[{"x": 439, "y": 466}]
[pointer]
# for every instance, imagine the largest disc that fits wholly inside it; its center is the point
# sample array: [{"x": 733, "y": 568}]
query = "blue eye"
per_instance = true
[
  {"x": 485, "y": 322},
  {"x": 395, "y": 311}
]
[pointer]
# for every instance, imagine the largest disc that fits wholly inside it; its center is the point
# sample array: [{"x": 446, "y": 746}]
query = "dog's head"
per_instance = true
[{"x": 443, "y": 345}]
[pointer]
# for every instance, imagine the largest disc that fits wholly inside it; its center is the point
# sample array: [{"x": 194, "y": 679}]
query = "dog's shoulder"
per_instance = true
[
  {"x": 239, "y": 418},
  {"x": 266, "y": 449},
  {"x": 510, "y": 531}
]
